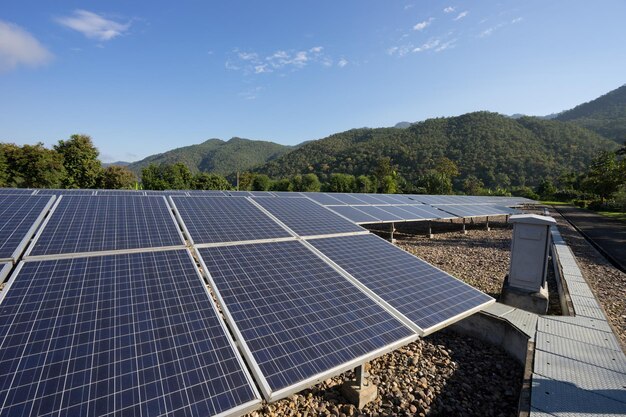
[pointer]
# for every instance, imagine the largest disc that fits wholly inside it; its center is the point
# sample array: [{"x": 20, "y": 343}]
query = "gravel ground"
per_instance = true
[
  {"x": 442, "y": 375},
  {"x": 607, "y": 282}
]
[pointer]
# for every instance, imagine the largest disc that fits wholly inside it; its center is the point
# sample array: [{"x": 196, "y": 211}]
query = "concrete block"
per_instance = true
[
  {"x": 359, "y": 395},
  {"x": 535, "y": 302}
]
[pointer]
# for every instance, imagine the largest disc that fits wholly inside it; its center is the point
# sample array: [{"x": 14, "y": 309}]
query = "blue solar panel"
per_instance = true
[
  {"x": 298, "y": 317},
  {"x": 240, "y": 193},
  {"x": 120, "y": 192},
  {"x": 225, "y": 219},
  {"x": 349, "y": 199},
  {"x": 369, "y": 198},
  {"x": 480, "y": 210},
  {"x": 324, "y": 199},
  {"x": 291, "y": 194},
  {"x": 207, "y": 193},
  {"x": 427, "y": 212},
  {"x": 427, "y": 296},
  {"x": 16, "y": 191},
  {"x": 105, "y": 223},
  {"x": 307, "y": 218},
  {"x": 354, "y": 214},
  {"x": 19, "y": 217},
  {"x": 128, "y": 334},
  {"x": 69, "y": 191},
  {"x": 380, "y": 213}
]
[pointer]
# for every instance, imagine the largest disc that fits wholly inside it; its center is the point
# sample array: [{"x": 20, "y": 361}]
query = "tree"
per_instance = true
[
  {"x": 206, "y": 181},
  {"x": 261, "y": 182},
  {"x": 605, "y": 175},
  {"x": 245, "y": 181},
  {"x": 80, "y": 159},
  {"x": 546, "y": 188},
  {"x": 152, "y": 178},
  {"x": 281, "y": 185},
  {"x": 435, "y": 183},
  {"x": 33, "y": 166},
  {"x": 342, "y": 183},
  {"x": 117, "y": 177},
  {"x": 472, "y": 185},
  {"x": 177, "y": 176},
  {"x": 4, "y": 169},
  {"x": 389, "y": 185},
  {"x": 363, "y": 184},
  {"x": 310, "y": 183}
]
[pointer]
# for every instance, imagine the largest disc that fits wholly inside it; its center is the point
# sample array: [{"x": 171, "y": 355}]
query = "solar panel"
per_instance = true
[
  {"x": 349, "y": 199},
  {"x": 68, "y": 191},
  {"x": 120, "y": 192},
  {"x": 379, "y": 213},
  {"x": 401, "y": 213},
  {"x": 20, "y": 215},
  {"x": 300, "y": 320},
  {"x": 225, "y": 219},
  {"x": 427, "y": 212},
  {"x": 128, "y": 334},
  {"x": 207, "y": 193},
  {"x": 288, "y": 194},
  {"x": 81, "y": 224},
  {"x": 5, "y": 268},
  {"x": 394, "y": 199},
  {"x": 16, "y": 191},
  {"x": 354, "y": 214},
  {"x": 425, "y": 295},
  {"x": 307, "y": 218},
  {"x": 480, "y": 210},
  {"x": 369, "y": 199},
  {"x": 324, "y": 199},
  {"x": 239, "y": 193}
]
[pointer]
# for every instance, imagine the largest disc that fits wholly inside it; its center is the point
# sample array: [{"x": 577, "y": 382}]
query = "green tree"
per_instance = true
[
  {"x": 281, "y": 185},
  {"x": 389, "y": 185},
  {"x": 4, "y": 168},
  {"x": 33, "y": 166},
  {"x": 546, "y": 188},
  {"x": 80, "y": 159},
  {"x": 261, "y": 182},
  {"x": 310, "y": 183},
  {"x": 117, "y": 177},
  {"x": 472, "y": 185},
  {"x": 206, "y": 181},
  {"x": 363, "y": 184},
  {"x": 605, "y": 175},
  {"x": 435, "y": 183},
  {"x": 152, "y": 178},
  {"x": 177, "y": 176},
  {"x": 342, "y": 183},
  {"x": 245, "y": 181}
]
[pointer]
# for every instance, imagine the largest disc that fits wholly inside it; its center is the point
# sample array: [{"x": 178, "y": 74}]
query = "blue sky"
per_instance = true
[{"x": 146, "y": 77}]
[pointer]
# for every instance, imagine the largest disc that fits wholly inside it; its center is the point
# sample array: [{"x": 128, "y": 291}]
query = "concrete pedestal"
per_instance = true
[
  {"x": 535, "y": 302},
  {"x": 359, "y": 395}
]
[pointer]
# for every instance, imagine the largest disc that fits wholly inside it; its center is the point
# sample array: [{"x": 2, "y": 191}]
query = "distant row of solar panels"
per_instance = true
[{"x": 303, "y": 306}]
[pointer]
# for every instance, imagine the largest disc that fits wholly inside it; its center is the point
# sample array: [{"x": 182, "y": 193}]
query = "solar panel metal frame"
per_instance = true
[
  {"x": 236, "y": 411},
  {"x": 5, "y": 268},
  {"x": 183, "y": 225},
  {"x": 28, "y": 256},
  {"x": 31, "y": 231},
  {"x": 408, "y": 322},
  {"x": 249, "y": 357}
]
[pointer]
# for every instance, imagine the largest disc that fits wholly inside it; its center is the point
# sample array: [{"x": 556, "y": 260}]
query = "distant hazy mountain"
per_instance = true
[
  {"x": 605, "y": 115},
  {"x": 218, "y": 156},
  {"x": 120, "y": 163},
  {"x": 403, "y": 125}
]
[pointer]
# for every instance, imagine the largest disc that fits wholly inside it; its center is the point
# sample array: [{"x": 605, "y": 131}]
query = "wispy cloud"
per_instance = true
[
  {"x": 517, "y": 20},
  {"x": 251, "y": 94},
  {"x": 18, "y": 47},
  {"x": 94, "y": 26},
  {"x": 446, "y": 45},
  {"x": 423, "y": 25},
  {"x": 431, "y": 44},
  {"x": 449, "y": 9},
  {"x": 279, "y": 61},
  {"x": 461, "y": 15},
  {"x": 489, "y": 31}
]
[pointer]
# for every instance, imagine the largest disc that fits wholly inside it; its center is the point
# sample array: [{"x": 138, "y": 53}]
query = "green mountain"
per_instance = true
[
  {"x": 605, "y": 115},
  {"x": 218, "y": 156},
  {"x": 495, "y": 148}
]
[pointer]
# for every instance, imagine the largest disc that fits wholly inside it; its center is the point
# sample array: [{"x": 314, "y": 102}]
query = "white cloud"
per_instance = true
[
  {"x": 517, "y": 20},
  {"x": 400, "y": 50},
  {"x": 342, "y": 63},
  {"x": 18, "y": 47},
  {"x": 93, "y": 25},
  {"x": 461, "y": 15},
  {"x": 446, "y": 45},
  {"x": 432, "y": 43},
  {"x": 449, "y": 9},
  {"x": 423, "y": 25},
  {"x": 280, "y": 60}
]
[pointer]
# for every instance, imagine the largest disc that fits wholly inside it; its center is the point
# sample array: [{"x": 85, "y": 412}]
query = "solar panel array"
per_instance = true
[
  {"x": 225, "y": 219},
  {"x": 20, "y": 214},
  {"x": 480, "y": 210},
  {"x": 108, "y": 314},
  {"x": 82, "y": 224},
  {"x": 298, "y": 317},
  {"x": 425, "y": 295},
  {"x": 127, "y": 334},
  {"x": 305, "y": 217}
]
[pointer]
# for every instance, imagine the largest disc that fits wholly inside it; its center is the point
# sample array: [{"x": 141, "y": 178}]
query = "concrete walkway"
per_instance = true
[{"x": 608, "y": 234}]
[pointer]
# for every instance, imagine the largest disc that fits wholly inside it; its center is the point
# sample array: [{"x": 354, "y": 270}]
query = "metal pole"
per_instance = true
[
  {"x": 393, "y": 229},
  {"x": 464, "y": 231},
  {"x": 430, "y": 230},
  {"x": 488, "y": 223},
  {"x": 359, "y": 372}
]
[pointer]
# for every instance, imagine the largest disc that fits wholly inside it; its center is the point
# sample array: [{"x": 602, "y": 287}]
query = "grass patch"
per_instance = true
[
  {"x": 614, "y": 215},
  {"x": 554, "y": 203}
]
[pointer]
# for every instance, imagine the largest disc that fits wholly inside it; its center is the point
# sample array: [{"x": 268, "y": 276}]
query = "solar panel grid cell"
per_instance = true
[
  {"x": 19, "y": 216},
  {"x": 324, "y": 199},
  {"x": 298, "y": 316},
  {"x": 353, "y": 213},
  {"x": 427, "y": 296},
  {"x": 350, "y": 199},
  {"x": 305, "y": 217},
  {"x": 80, "y": 224},
  {"x": 129, "y": 334},
  {"x": 225, "y": 219},
  {"x": 380, "y": 213}
]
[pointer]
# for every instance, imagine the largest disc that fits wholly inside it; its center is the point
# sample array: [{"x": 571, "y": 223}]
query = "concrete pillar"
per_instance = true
[
  {"x": 391, "y": 231},
  {"x": 463, "y": 229},
  {"x": 430, "y": 230},
  {"x": 359, "y": 392}
]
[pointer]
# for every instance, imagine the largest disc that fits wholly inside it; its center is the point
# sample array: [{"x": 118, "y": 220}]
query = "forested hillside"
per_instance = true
[
  {"x": 496, "y": 149},
  {"x": 217, "y": 156},
  {"x": 605, "y": 115}
]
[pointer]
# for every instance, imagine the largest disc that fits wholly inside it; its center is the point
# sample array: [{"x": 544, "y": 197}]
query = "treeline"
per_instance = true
[{"x": 70, "y": 163}]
